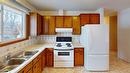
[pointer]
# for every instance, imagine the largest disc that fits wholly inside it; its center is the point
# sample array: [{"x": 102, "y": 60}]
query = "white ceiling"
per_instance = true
[{"x": 73, "y": 5}]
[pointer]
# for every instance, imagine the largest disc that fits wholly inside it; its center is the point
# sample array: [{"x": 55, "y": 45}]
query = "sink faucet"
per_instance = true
[{"x": 8, "y": 57}]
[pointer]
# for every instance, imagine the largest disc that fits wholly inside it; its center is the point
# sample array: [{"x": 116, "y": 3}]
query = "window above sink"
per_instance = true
[{"x": 12, "y": 24}]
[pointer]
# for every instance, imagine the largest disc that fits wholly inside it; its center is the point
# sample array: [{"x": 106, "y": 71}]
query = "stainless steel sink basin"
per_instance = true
[
  {"x": 29, "y": 53},
  {"x": 26, "y": 54},
  {"x": 11, "y": 64},
  {"x": 8, "y": 68},
  {"x": 15, "y": 61}
]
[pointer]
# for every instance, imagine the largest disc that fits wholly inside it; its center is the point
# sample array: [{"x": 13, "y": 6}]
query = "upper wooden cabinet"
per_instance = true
[
  {"x": 45, "y": 25},
  {"x": 94, "y": 18},
  {"x": 36, "y": 22},
  {"x": 90, "y": 19},
  {"x": 85, "y": 19},
  {"x": 63, "y": 21},
  {"x": 28, "y": 26},
  {"x": 52, "y": 25},
  {"x": 59, "y": 21},
  {"x": 39, "y": 23},
  {"x": 67, "y": 21},
  {"x": 76, "y": 25},
  {"x": 48, "y": 26}
]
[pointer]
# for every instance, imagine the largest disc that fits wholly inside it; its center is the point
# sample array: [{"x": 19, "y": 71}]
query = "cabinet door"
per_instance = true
[
  {"x": 49, "y": 57},
  {"x": 43, "y": 59},
  {"x": 68, "y": 21},
  {"x": 37, "y": 67},
  {"x": 76, "y": 25},
  {"x": 52, "y": 25},
  {"x": 26, "y": 68},
  {"x": 59, "y": 21},
  {"x": 78, "y": 56},
  {"x": 85, "y": 19},
  {"x": 39, "y": 24},
  {"x": 30, "y": 71},
  {"x": 28, "y": 26},
  {"x": 94, "y": 18},
  {"x": 45, "y": 25}
]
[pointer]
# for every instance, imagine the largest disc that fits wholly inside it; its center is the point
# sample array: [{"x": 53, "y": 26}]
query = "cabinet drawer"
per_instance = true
[
  {"x": 36, "y": 59},
  {"x": 78, "y": 49},
  {"x": 49, "y": 50}
]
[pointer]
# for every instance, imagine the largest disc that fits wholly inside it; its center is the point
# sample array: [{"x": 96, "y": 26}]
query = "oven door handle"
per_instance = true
[{"x": 64, "y": 49}]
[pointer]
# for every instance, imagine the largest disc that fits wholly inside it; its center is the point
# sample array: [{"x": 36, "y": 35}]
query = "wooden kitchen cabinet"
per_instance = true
[
  {"x": 90, "y": 18},
  {"x": 39, "y": 24},
  {"x": 59, "y": 21},
  {"x": 45, "y": 25},
  {"x": 52, "y": 25},
  {"x": 49, "y": 57},
  {"x": 76, "y": 25},
  {"x": 37, "y": 68},
  {"x": 94, "y": 18},
  {"x": 27, "y": 68},
  {"x": 48, "y": 26},
  {"x": 84, "y": 19},
  {"x": 78, "y": 56},
  {"x": 67, "y": 22},
  {"x": 43, "y": 59},
  {"x": 27, "y": 26}
]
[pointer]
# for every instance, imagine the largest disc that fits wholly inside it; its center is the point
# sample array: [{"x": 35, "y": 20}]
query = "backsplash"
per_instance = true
[
  {"x": 52, "y": 38},
  {"x": 15, "y": 48}
]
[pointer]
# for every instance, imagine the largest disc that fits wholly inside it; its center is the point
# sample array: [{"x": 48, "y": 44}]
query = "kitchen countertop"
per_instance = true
[{"x": 40, "y": 48}]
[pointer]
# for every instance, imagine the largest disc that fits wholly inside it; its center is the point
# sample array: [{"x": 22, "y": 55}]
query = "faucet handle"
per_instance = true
[{"x": 8, "y": 56}]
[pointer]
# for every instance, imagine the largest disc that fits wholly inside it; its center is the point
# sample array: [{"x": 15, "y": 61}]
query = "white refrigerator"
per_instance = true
[{"x": 95, "y": 39}]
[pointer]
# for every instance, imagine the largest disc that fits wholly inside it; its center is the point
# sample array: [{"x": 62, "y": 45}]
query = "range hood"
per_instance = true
[
  {"x": 64, "y": 30},
  {"x": 61, "y": 13}
]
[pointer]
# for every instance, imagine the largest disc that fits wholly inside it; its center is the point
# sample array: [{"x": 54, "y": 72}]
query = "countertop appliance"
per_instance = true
[
  {"x": 63, "y": 52},
  {"x": 95, "y": 39}
]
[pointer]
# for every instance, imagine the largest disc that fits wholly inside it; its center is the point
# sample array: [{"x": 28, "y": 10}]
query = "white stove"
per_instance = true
[{"x": 64, "y": 52}]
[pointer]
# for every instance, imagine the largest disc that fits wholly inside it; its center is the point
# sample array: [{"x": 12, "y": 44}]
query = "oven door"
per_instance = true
[{"x": 63, "y": 55}]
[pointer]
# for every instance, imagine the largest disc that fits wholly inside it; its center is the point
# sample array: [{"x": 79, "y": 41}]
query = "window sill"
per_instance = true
[{"x": 12, "y": 42}]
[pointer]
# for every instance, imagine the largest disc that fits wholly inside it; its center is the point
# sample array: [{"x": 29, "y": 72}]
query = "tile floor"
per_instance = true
[{"x": 116, "y": 66}]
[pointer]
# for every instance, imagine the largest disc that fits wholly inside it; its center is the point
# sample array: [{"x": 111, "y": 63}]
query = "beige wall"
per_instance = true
[{"x": 107, "y": 19}]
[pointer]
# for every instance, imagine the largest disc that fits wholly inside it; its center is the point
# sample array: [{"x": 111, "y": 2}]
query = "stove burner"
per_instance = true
[
  {"x": 68, "y": 44},
  {"x": 58, "y": 45}
]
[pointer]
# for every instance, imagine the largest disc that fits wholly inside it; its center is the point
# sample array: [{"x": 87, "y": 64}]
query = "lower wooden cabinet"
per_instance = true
[
  {"x": 37, "y": 67},
  {"x": 27, "y": 68},
  {"x": 43, "y": 59},
  {"x": 79, "y": 56},
  {"x": 30, "y": 71},
  {"x": 49, "y": 57}
]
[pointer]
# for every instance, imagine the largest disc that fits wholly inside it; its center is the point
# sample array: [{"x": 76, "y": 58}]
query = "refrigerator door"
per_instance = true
[
  {"x": 95, "y": 38},
  {"x": 97, "y": 63}
]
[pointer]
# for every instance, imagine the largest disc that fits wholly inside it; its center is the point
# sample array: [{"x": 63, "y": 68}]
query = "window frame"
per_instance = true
[{"x": 26, "y": 31}]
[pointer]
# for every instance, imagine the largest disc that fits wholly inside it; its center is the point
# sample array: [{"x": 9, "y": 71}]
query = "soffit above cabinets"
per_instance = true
[{"x": 75, "y": 5}]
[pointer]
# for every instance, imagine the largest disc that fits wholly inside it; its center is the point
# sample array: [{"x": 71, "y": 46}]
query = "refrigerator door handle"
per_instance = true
[{"x": 90, "y": 36}]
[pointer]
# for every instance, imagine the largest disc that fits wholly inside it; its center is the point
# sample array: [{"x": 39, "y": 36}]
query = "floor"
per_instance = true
[{"x": 116, "y": 66}]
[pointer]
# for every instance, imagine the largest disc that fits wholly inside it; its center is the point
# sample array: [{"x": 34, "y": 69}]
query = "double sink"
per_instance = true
[{"x": 14, "y": 62}]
